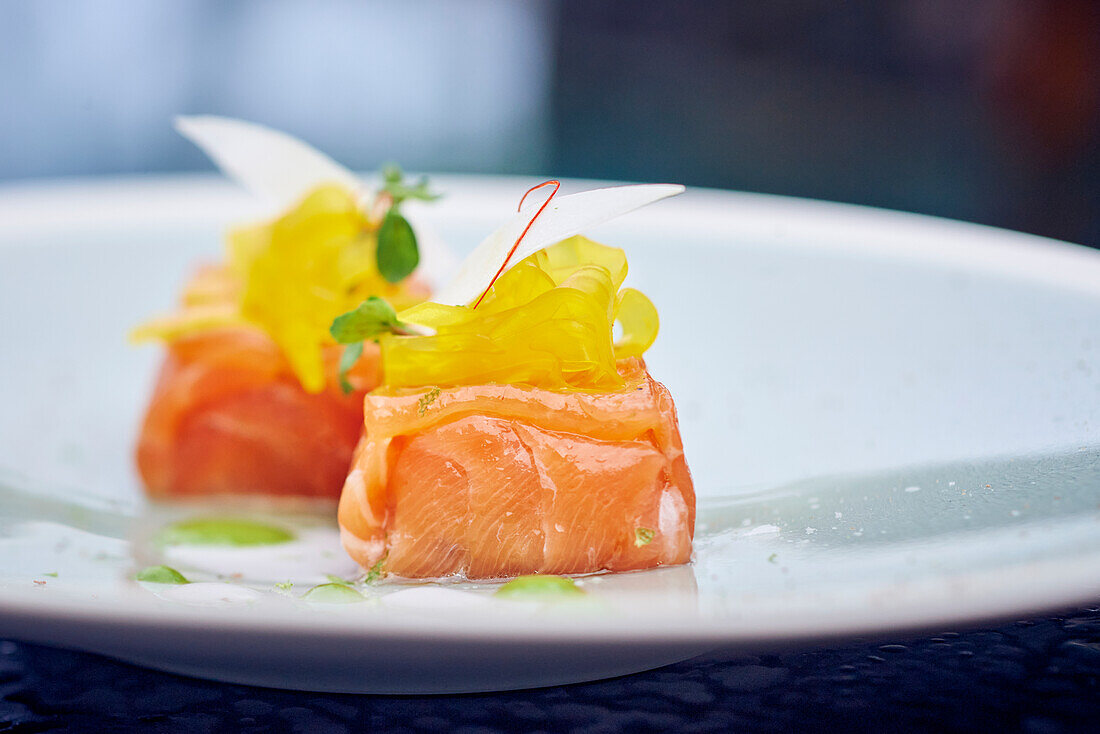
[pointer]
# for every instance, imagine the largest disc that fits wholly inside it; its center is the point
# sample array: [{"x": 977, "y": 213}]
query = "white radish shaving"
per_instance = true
[
  {"x": 281, "y": 169},
  {"x": 564, "y": 217},
  {"x": 272, "y": 165}
]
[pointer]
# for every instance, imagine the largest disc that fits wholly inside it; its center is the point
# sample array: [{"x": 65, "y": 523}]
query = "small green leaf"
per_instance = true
[
  {"x": 397, "y": 253},
  {"x": 772, "y": 557},
  {"x": 536, "y": 585},
  {"x": 284, "y": 585},
  {"x": 401, "y": 192},
  {"x": 392, "y": 173},
  {"x": 395, "y": 186},
  {"x": 426, "y": 400},
  {"x": 643, "y": 536},
  {"x": 351, "y": 355},
  {"x": 375, "y": 572},
  {"x": 51, "y": 573},
  {"x": 161, "y": 575},
  {"x": 372, "y": 317}
]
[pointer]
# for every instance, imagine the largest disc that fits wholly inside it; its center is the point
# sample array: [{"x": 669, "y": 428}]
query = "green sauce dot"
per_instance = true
[
  {"x": 538, "y": 585},
  {"x": 222, "y": 531},
  {"x": 161, "y": 575},
  {"x": 333, "y": 594}
]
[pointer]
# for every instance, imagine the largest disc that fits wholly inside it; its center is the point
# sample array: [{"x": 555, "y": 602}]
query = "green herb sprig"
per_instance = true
[
  {"x": 376, "y": 572},
  {"x": 426, "y": 400},
  {"x": 397, "y": 251},
  {"x": 369, "y": 320},
  {"x": 397, "y": 255}
]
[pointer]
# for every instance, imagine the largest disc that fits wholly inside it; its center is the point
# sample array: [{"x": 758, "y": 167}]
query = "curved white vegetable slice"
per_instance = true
[
  {"x": 564, "y": 217},
  {"x": 270, "y": 164}
]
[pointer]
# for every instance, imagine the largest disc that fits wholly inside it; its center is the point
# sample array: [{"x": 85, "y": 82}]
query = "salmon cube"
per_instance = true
[{"x": 493, "y": 481}]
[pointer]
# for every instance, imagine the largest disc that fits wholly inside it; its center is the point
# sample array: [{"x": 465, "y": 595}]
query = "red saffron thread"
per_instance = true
[{"x": 557, "y": 185}]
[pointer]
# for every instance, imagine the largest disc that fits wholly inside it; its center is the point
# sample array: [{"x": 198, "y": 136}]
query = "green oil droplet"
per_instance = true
[
  {"x": 333, "y": 594},
  {"x": 538, "y": 585},
  {"x": 161, "y": 575},
  {"x": 223, "y": 531}
]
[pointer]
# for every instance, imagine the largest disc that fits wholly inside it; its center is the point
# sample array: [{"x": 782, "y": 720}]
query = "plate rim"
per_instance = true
[{"x": 31, "y": 208}]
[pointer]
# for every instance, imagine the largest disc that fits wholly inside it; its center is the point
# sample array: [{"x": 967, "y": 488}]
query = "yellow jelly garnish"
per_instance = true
[
  {"x": 290, "y": 277},
  {"x": 546, "y": 322}
]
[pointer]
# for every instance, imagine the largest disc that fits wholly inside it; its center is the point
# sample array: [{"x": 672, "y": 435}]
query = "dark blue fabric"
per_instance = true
[{"x": 1034, "y": 676}]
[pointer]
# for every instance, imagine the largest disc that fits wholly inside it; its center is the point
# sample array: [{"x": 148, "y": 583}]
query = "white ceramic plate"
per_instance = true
[{"x": 893, "y": 424}]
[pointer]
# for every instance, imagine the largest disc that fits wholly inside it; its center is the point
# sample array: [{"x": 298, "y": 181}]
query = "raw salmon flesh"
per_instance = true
[
  {"x": 228, "y": 416},
  {"x": 497, "y": 480}
]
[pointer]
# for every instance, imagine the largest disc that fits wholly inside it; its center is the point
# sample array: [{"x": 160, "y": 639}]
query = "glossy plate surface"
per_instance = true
[{"x": 893, "y": 423}]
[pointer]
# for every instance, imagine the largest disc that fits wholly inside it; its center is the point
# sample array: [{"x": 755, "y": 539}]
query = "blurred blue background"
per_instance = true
[{"x": 987, "y": 110}]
